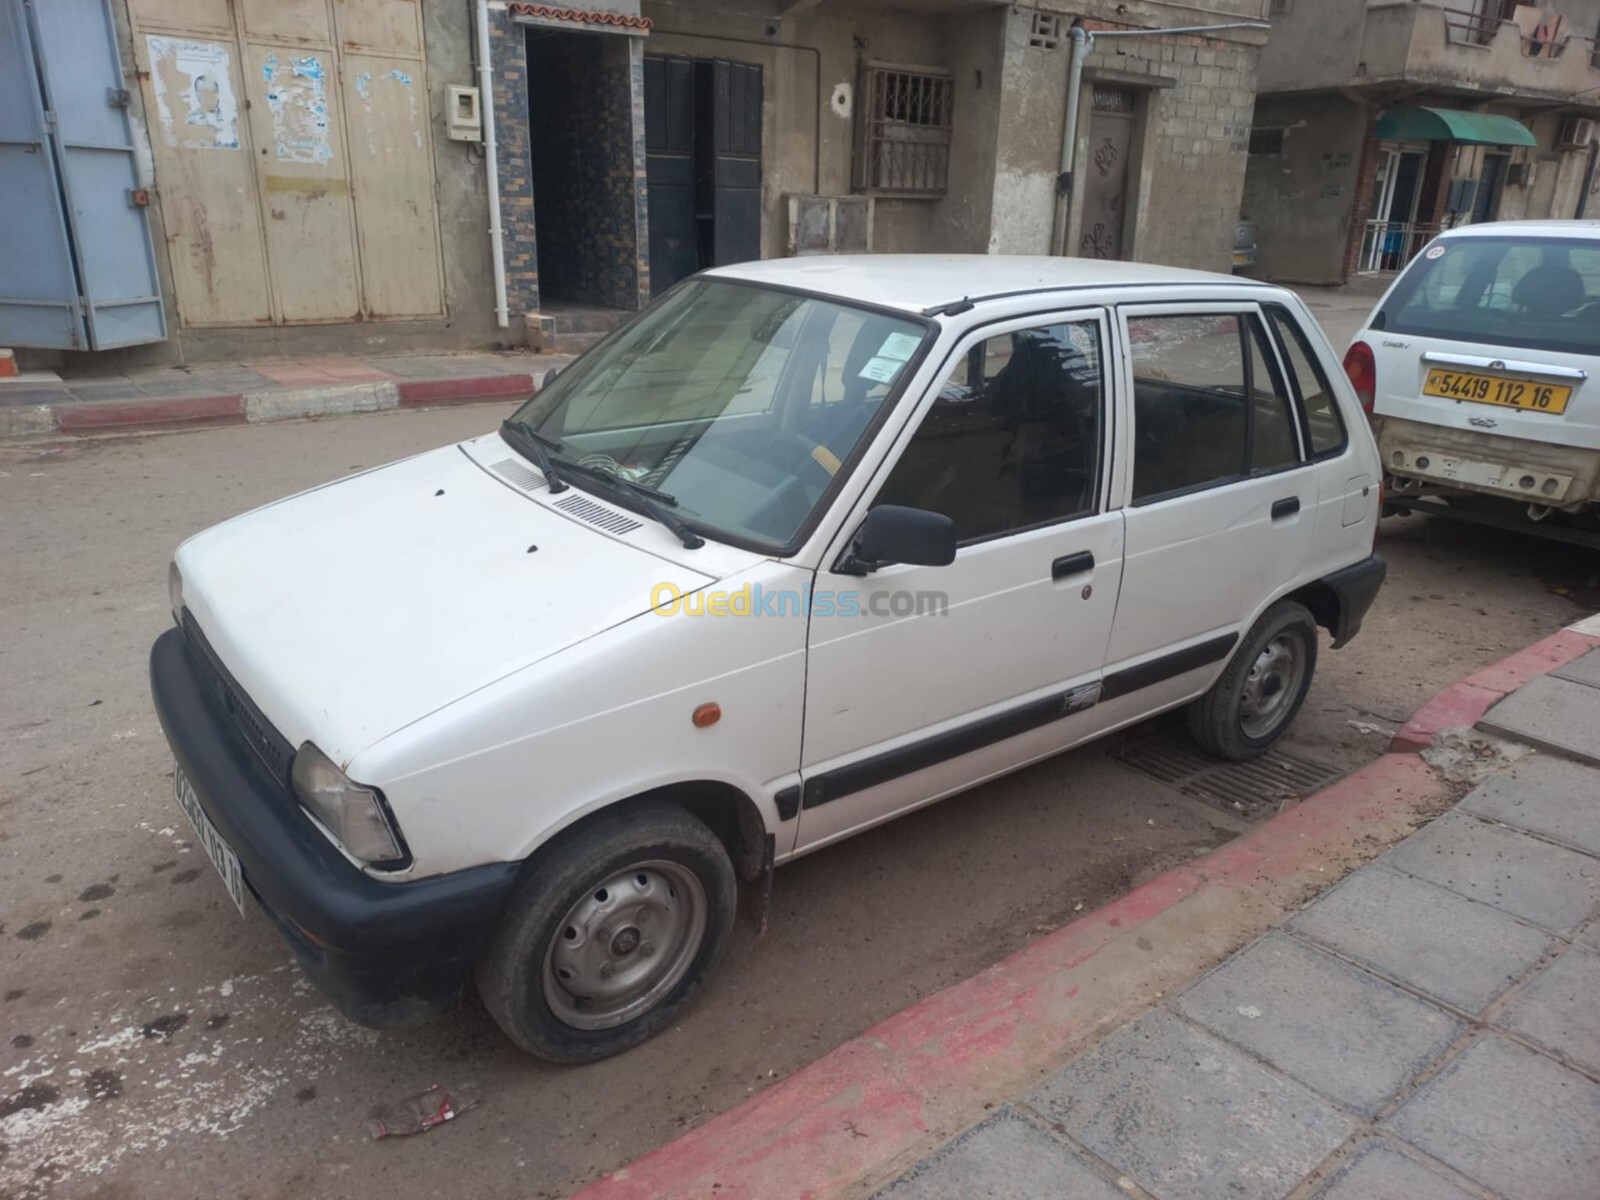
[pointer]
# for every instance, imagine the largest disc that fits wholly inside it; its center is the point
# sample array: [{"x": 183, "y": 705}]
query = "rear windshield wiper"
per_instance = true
[
  {"x": 529, "y": 442},
  {"x": 648, "y": 499}
]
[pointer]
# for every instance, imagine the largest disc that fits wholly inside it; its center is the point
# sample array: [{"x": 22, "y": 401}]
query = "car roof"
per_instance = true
[
  {"x": 1589, "y": 230},
  {"x": 915, "y": 282}
]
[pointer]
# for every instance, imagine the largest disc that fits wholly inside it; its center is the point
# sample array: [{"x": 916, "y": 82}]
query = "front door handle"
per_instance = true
[
  {"x": 1285, "y": 508},
  {"x": 1072, "y": 564}
]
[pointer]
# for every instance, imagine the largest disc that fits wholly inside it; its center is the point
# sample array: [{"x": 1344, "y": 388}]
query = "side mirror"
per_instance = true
[
  {"x": 549, "y": 378},
  {"x": 893, "y": 533}
]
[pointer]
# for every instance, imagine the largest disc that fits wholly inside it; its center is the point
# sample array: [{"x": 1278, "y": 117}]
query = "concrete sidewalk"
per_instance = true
[
  {"x": 1426, "y": 1029},
  {"x": 38, "y": 404}
]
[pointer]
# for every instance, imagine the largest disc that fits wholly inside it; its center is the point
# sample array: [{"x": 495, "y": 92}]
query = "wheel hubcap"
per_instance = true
[
  {"x": 625, "y": 945},
  {"x": 1271, "y": 686}
]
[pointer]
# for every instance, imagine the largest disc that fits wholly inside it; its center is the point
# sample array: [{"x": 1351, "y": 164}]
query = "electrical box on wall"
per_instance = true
[{"x": 464, "y": 121}]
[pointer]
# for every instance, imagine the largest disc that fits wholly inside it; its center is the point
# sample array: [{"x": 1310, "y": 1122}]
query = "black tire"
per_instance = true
[
  {"x": 515, "y": 976},
  {"x": 1223, "y": 721}
]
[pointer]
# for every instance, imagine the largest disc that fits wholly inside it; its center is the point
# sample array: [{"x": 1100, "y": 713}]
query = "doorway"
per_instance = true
[
  {"x": 1392, "y": 235},
  {"x": 1112, "y": 119},
  {"x": 580, "y": 121},
  {"x": 1490, "y": 178},
  {"x": 702, "y": 120}
]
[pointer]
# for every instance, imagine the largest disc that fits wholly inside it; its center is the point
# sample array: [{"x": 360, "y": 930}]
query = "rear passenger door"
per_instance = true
[{"x": 1221, "y": 500}]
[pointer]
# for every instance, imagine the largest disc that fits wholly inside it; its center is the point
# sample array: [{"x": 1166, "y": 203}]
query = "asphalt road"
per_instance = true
[{"x": 152, "y": 1042}]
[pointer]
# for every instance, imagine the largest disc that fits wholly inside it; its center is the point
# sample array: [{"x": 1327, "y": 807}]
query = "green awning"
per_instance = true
[{"x": 1452, "y": 125}]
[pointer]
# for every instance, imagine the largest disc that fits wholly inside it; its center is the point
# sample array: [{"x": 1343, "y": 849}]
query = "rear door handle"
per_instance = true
[
  {"x": 1285, "y": 508},
  {"x": 1072, "y": 564}
]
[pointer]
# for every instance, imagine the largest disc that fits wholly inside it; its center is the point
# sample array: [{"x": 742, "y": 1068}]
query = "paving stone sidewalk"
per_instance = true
[{"x": 1428, "y": 1029}]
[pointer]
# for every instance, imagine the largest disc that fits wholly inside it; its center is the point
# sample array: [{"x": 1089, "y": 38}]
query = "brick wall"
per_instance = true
[
  {"x": 1361, "y": 197},
  {"x": 1197, "y": 137}
]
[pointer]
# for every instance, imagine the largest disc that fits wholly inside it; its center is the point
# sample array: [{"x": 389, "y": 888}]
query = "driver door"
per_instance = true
[{"x": 924, "y": 680}]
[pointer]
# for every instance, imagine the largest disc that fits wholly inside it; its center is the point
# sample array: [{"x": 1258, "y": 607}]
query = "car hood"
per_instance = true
[{"x": 352, "y": 610}]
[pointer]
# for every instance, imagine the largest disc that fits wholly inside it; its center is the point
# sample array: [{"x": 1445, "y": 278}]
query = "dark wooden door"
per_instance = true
[
  {"x": 1485, "y": 203},
  {"x": 736, "y": 132},
  {"x": 669, "y": 170}
]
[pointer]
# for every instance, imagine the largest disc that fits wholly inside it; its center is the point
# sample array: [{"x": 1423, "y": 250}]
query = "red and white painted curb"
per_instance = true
[
  {"x": 278, "y": 404},
  {"x": 881, "y": 1099}
]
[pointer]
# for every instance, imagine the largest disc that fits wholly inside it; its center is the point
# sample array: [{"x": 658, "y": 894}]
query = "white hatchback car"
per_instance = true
[
  {"x": 807, "y": 545},
  {"x": 1476, "y": 367}
]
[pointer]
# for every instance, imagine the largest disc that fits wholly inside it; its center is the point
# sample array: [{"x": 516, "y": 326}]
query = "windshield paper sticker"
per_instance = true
[
  {"x": 899, "y": 346},
  {"x": 881, "y": 369}
]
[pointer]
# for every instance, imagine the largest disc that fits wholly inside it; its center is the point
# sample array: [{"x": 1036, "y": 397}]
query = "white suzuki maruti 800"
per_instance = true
[{"x": 807, "y": 545}]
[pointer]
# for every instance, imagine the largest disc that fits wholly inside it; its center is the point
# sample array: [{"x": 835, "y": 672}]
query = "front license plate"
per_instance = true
[
  {"x": 1491, "y": 389},
  {"x": 222, "y": 857}
]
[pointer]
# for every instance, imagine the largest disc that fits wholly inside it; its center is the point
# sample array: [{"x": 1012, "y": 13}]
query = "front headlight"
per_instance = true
[
  {"x": 351, "y": 813},
  {"x": 175, "y": 590}
]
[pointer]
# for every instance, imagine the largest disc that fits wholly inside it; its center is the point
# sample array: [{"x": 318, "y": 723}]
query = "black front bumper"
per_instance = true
[{"x": 384, "y": 953}]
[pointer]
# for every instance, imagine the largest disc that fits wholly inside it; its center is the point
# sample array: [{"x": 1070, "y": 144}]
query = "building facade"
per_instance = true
[
  {"x": 318, "y": 175},
  {"x": 1380, "y": 122}
]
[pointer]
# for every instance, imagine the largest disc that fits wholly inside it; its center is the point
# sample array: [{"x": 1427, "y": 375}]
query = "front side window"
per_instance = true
[
  {"x": 1013, "y": 439},
  {"x": 735, "y": 404},
  {"x": 1209, "y": 403},
  {"x": 1536, "y": 293}
]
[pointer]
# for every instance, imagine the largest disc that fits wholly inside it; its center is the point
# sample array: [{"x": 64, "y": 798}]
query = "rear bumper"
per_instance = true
[
  {"x": 383, "y": 953},
  {"x": 1425, "y": 458},
  {"x": 1354, "y": 589}
]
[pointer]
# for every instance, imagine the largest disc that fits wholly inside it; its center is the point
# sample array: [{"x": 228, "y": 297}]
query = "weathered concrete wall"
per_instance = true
[
  {"x": 463, "y": 219},
  {"x": 1313, "y": 45},
  {"x": 1301, "y": 200},
  {"x": 974, "y": 48}
]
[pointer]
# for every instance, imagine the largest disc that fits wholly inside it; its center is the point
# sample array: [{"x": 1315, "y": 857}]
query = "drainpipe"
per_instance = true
[
  {"x": 491, "y": 168},
  {"x": 1082, "y": 43}
]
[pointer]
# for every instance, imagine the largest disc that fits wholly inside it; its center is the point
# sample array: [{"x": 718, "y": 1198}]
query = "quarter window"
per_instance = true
[
  {"x": 1210, "y": 405},
  {"x": 1324, "y": 426},
  {"x": 1013, "y": 439}
]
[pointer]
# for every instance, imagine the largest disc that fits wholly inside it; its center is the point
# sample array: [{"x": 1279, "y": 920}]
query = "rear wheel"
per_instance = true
[
  {"x": 1257, "y": 697},
  {"x": 612, "y": 935}
]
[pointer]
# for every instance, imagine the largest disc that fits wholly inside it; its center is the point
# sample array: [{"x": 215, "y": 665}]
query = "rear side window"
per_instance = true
[
  {"x": 1535, "y": 293},
  {"x": 1013, "y": 439},
  {"x": 1324, "y": 427},
  {"x": 1209, "y": 404}
]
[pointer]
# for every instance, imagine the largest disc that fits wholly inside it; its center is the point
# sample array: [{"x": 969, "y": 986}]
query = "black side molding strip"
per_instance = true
[
  {"x": 891, "y": 764},
  {"x": 1168, "y": 666},
  {"x": 788, "y": 802}
]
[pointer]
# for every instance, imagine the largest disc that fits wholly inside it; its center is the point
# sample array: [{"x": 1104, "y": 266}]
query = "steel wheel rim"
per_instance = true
[
  {"x": 1271, "y": 686},
  {"x": 625, "y": 944}
]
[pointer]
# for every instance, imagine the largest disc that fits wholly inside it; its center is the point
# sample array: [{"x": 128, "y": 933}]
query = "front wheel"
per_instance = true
[
  {"x": 612, "y": 935},
  {"x": 1257, "y": 697}
]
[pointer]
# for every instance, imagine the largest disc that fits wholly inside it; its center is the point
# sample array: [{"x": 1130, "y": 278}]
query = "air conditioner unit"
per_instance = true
[
  {"x": 1577, "y": 133},
  {"x": 830, "y": 224}
]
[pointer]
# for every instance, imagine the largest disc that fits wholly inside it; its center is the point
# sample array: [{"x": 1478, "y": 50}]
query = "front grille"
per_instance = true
[{"x": 270, "y": 746}]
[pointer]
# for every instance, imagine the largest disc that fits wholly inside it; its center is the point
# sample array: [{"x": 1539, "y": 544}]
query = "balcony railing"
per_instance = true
[
  {"x": 1452, "y": 42},
  {"x": 1387, "y": 246}
]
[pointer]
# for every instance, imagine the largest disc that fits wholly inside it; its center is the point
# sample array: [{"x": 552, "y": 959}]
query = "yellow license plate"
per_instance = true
[{"x": 1492, "y": 389}]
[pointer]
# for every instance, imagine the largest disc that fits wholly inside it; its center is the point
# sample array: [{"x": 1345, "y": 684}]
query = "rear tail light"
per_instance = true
[{"x": 1363, "y": 373}]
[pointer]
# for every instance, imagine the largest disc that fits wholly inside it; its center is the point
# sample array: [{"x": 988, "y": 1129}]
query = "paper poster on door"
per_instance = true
[
  {"x": 298, "y": 97},
  {"x": 193, "y": 84}
]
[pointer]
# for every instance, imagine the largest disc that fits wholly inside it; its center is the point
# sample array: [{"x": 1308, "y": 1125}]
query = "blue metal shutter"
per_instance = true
[{"x": 77, "y": 268}]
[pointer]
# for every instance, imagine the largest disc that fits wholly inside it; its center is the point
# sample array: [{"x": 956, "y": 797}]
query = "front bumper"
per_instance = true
[{"x": 384, "y": 953}]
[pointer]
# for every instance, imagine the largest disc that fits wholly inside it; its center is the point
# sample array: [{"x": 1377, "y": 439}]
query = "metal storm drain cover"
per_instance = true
[{"x": 1258, "y": 788}]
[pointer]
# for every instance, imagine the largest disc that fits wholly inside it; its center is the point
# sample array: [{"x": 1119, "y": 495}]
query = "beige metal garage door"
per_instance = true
[{"x": 294, "y": 158}]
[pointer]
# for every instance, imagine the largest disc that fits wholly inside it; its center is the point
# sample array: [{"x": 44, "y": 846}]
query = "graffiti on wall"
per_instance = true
[{"x": 193, "y": 85}]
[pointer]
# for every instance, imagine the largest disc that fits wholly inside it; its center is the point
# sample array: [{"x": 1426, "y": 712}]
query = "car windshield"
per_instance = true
[
  {"x": 736, "y": 404},
  {"x": 1532, "y": 293}
]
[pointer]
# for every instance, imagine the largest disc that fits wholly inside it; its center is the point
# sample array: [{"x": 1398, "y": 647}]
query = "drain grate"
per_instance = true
[{"x": 1256, "y": 788}]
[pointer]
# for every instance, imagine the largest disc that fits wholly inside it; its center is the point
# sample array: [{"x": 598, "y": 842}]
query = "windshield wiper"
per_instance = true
[
  {"x": 648, "y": 499},
  {"x": 530, "y": 443}
]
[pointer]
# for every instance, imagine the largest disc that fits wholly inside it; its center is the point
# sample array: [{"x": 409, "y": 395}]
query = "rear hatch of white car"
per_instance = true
[{"x": 1494, "y": 333}]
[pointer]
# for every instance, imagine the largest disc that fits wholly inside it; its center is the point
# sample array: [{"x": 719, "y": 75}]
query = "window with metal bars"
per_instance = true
[{"x": 903, "y": 135}]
